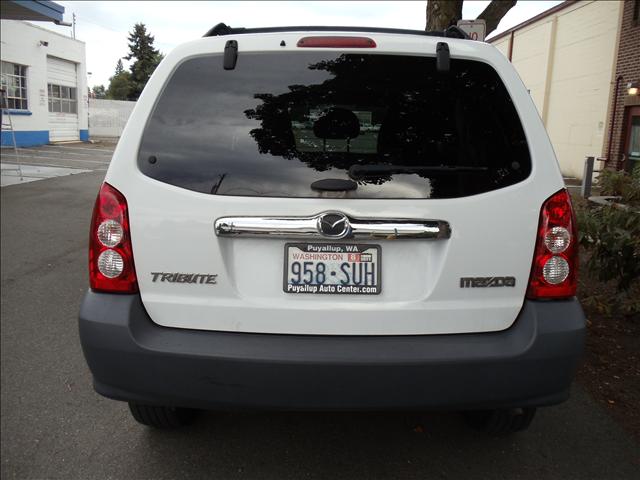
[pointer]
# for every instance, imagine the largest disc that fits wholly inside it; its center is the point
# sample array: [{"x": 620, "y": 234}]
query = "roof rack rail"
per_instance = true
[{"x": 223, "y": 29}]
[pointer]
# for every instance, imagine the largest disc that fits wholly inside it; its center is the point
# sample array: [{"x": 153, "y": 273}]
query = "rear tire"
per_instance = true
[
  {"x": 501, "y": 422},
  {"x": 161, "y": 417}
]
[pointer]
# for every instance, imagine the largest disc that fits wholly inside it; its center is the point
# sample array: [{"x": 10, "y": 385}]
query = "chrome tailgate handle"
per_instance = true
[{"x": 332, "y": 225}]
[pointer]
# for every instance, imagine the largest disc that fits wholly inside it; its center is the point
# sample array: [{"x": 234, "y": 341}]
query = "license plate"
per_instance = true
[{"x": 332, "y": 268}]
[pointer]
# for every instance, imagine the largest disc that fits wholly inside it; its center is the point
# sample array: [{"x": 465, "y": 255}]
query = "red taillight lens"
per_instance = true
[
  {"x": 336, "y": 42},
  {"x": 111, "y": 266},
  {"x": 555, "y": 262}
]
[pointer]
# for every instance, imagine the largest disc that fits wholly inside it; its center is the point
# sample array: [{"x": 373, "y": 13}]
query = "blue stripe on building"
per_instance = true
[
  {"x": 16, "y": 112},
  {"x": 26, "y": 138},
  {"x": 34, "y": 138}
]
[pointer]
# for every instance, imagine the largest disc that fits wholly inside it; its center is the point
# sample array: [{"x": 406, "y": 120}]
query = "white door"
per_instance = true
[{"x": 62, "y": 88}]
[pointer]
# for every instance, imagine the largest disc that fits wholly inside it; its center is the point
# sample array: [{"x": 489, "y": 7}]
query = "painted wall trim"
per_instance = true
[
  {"x": 16, "y": 112},
  {"x": 26, "y": 138}
]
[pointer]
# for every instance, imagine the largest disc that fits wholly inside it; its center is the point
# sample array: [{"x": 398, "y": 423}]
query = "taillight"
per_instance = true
[
  {"x": 555, "y": 262},
  {"x": 336, "y": 42},
  {"x": 111, "y": 266}
]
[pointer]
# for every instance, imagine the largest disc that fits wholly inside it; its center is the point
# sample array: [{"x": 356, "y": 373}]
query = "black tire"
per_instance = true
[
  {"x": 501, "y": 422},
  {"x": 161, "y": 417}
]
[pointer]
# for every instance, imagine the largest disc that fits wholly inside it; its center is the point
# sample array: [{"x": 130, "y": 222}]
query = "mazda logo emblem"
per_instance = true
[{"x": 335, "y": 225}]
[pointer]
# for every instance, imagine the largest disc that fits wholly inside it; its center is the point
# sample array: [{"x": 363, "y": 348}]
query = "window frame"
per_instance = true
[
  {"x": 14, "y": 102},
  {"x": 62, "y": 99}
]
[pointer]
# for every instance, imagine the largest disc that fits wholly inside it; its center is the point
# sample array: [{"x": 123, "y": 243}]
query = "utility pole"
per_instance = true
[
  {"x": 74, "y": 26},
  {"x": 88, "y": 105}
]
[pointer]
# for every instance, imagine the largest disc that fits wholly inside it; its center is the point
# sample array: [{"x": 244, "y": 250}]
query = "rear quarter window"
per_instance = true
[{"x": 375, "y": 125}]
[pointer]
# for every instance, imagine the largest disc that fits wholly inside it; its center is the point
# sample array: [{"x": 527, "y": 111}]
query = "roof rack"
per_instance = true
[{"x": 223, "y": 29}]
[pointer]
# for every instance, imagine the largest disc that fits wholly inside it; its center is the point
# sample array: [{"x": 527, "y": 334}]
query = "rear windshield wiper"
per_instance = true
[
  {"x": 216, "y": 186},
  {"x": 360, "y": 171}
]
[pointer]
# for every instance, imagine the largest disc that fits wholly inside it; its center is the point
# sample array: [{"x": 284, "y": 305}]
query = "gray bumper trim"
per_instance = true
[{"x": 132, "y": 358}]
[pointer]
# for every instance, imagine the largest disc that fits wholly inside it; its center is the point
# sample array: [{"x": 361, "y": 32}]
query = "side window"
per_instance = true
[
  {"x": 14, "y": 83},
  {"x": 62, "y": 99}
]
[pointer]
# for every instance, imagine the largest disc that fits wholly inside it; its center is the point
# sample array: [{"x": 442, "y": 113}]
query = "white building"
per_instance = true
[{"x": 45, "y": 78}]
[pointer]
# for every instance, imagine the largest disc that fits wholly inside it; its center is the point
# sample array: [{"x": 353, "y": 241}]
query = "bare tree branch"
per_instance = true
[
  {"x": 494, "y": 13},
  {"x": 443, "y": 13}
]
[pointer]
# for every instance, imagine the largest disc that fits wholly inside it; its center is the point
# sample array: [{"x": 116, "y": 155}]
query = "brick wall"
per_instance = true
[{"x": 627, "y": 66}]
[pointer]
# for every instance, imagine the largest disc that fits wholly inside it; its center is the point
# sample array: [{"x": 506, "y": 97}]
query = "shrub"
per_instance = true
[
  {"x": 621, "y": 184},
  {"x": 610, "y": 236}
]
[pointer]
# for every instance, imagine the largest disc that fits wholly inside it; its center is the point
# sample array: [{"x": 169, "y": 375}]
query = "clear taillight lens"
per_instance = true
[
  {"x": 557, "y": 239},
  {"x": 110, "y": 233},
  {"x": 110, "y": 264},
  {"x": 111, "y": 267},
  {"x": 555, "y": 270},
  {"x": 555, "y": 262}
]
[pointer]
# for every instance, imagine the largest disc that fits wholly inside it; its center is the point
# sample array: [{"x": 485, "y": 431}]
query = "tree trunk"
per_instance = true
[
  {"x": 441, "y": 14},
  {"x": 494, "y": 13}
]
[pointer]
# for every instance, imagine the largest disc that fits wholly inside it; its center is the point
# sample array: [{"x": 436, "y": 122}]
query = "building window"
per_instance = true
[
  {"x": 636, "y": 12},
  {"x": 14, "y": 83},
  {"x": 62, "y": 99}
]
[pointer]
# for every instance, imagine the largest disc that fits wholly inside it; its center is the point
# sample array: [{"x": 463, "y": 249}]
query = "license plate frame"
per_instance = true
[{"x": 344, "y": 249}]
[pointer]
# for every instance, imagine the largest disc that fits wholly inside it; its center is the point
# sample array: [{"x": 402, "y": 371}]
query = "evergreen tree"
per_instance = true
[
  {"x": 146, "y": 58},
  {"x": 119, "y": 67}
]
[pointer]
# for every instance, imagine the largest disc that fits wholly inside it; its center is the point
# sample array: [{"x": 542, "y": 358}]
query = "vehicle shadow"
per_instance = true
[
  {"x": 574, "y": 440},
  {"x": 328, "y": 445}
]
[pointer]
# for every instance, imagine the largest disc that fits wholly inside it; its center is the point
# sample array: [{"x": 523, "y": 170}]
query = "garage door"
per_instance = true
[{"x": 62, "y": 88}]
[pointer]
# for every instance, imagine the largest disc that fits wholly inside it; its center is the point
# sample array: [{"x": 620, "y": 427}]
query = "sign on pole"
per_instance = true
[{"x": 476, "y": 29}]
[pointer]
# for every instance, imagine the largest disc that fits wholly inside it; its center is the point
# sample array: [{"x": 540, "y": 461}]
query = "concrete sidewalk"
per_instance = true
[
  {"x": 56, "y": 160},
  {"x": 13, "y": 174}
]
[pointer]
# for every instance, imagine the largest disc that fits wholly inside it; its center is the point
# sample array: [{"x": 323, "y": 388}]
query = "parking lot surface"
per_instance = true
[
  {"x": 54, "y": 426},
  {"x": 30, "y": 164},
  {"x": 72, "y": 155}
]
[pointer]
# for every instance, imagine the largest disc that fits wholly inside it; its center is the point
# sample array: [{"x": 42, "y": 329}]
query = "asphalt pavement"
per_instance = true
[{"x": 53, "y": 425}]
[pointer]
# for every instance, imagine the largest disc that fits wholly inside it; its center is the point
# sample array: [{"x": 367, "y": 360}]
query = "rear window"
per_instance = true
[{"x": 315, "y": 124}]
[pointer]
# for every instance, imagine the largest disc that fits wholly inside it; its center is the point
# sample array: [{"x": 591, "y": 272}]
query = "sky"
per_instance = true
[{"x": 104, "y": 26}]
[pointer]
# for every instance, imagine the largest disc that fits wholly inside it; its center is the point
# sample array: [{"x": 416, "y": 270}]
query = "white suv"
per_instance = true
[{"x": 333, "y": 218}]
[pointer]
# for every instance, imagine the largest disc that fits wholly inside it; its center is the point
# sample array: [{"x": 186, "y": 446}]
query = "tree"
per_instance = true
[
  {"x": 146, "y": 58},
  {"x": 441, "y": 14},
  {"x": 119, "y": 67},
  {"x": 120, "y": 86},
  {"x": 98, "y": 91}
]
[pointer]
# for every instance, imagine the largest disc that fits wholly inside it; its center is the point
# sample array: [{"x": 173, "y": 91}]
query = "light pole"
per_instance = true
[{"x": 88, "y": 105}]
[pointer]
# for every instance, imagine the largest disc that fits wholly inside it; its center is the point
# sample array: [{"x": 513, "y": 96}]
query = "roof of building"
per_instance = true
[
  {"x": 540, "y": 16},
  {"x": 35, "y": 10}
]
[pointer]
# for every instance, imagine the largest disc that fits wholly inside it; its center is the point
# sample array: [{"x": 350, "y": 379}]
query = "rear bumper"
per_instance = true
[{"x": 131, "y": 358}]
